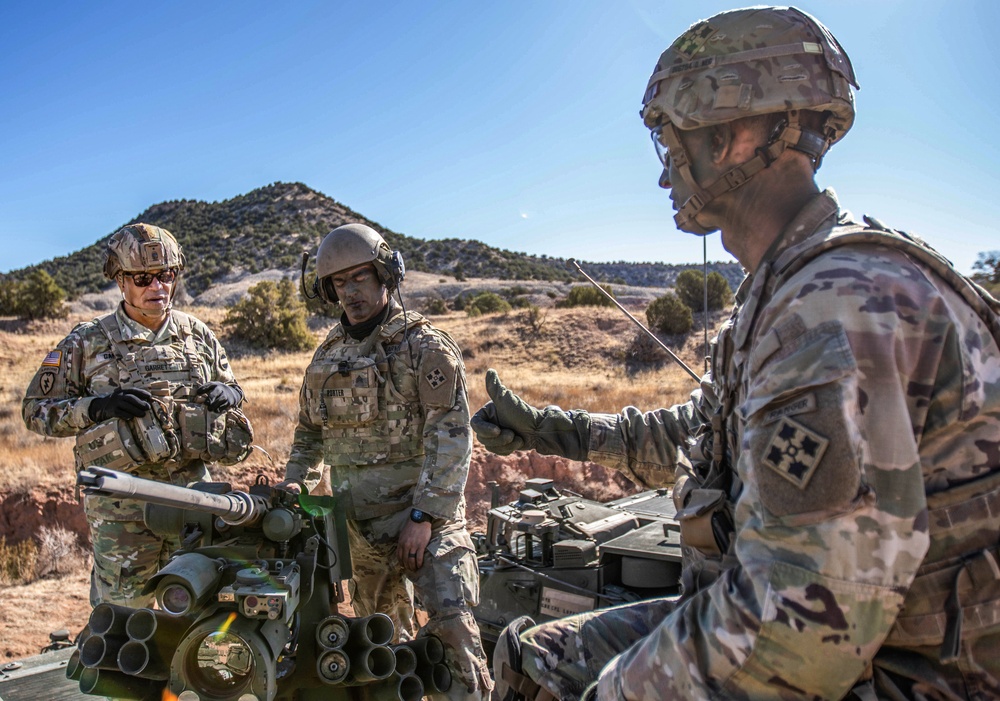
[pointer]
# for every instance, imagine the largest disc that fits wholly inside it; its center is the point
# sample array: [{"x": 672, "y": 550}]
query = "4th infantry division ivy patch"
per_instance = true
[{"x": 794, "y": 452}]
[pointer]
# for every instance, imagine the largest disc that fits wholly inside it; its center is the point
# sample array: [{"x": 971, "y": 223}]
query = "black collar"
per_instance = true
[{"x": 364, "y": 329}]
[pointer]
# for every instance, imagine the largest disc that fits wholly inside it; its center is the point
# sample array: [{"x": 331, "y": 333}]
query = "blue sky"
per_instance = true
[{"x": 515, "y": 123}]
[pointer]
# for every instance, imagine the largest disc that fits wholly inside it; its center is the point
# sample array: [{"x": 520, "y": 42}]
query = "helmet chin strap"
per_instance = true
[{"x": 788, "y": 134}]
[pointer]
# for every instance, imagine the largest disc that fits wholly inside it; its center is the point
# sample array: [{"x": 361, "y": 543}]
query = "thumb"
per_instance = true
[
  {"x": 511, "y": 411},
  {"x": 493, "y": 384}
]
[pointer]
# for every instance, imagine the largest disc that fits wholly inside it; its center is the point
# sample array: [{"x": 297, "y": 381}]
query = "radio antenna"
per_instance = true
[
  {"x": 572, "y": 263},
  {"x": 704, "y": 261}
]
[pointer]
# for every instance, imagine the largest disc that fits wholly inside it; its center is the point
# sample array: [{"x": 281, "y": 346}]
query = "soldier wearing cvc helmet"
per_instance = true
[
  {"x": 384, "y": 423},
  {"x": 837, "y": 473}
]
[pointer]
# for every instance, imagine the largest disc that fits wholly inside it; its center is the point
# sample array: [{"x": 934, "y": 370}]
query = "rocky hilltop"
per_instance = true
[{"x": 269, "y": 228}]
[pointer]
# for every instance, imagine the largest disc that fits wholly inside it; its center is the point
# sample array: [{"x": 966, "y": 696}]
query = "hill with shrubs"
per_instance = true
[{"x": 269, "y": 228}]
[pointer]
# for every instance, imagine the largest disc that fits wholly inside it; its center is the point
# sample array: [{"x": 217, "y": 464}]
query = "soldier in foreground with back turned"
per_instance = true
[
  {"x": 384, "y": 405},
  {"x": 837, "y": 474},
  {"x": 146, "y": 389}
]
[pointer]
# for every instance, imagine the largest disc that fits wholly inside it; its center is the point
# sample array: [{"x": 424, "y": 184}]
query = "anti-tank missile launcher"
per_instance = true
[{"x": 247, "y": 608}]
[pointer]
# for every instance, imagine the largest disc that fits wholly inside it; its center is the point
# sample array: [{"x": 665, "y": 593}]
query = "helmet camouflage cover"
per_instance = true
[
  {"x": 141, "y": 247},
  {"x": 750, "y": 62}
]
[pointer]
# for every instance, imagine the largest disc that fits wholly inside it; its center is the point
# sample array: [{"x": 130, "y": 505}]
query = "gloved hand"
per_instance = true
[
  {"x": 123, "y": 403},
  {"x": 508, "y": 423},
  {"x": 219, "y": 396}
]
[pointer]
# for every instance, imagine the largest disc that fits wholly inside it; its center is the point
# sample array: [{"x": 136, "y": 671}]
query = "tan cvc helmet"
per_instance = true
[
  {"x": 141, "y": 247},
  {"x": 744, "y": 63},
  {"x": 352, "y": 245}
]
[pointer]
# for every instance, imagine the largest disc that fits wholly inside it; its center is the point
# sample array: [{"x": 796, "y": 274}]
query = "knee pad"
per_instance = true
[{"x": 511, "y": 682}]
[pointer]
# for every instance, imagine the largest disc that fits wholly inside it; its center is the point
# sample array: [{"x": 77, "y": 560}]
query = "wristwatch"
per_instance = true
[{"x": 418, "y": 516}]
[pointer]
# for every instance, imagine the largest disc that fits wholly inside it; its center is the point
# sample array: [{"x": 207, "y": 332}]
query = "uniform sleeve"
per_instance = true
[
  {"x": 220, "y": 369},
  {"x": 646, "y": 447},
  {"x": 56, "y": 401},
  {"x": 306, "y": 457},
  {"x": 447, "y": 435},
  {"x": 831, "y": 522}
]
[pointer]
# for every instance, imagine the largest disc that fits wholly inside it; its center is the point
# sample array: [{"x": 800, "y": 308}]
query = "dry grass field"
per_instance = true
[{"x": 576, "y": 358}]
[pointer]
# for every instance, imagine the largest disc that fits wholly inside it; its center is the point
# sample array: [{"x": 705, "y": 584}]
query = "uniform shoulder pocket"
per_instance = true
[{"x": 801, "y": 431}]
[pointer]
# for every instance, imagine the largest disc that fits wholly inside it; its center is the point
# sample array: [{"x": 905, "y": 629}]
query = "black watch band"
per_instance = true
[{"x": 418, "y": 516}]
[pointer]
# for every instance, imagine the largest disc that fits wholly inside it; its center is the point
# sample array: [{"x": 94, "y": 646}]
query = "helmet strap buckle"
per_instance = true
[{"x": 807, "y": 141}]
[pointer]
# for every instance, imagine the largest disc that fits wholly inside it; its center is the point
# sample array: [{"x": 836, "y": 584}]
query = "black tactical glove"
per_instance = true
[
  {"x": 219, "y": 396},
  {"x": 508, "y": 423},
  {"x": 123, "y": 403}
]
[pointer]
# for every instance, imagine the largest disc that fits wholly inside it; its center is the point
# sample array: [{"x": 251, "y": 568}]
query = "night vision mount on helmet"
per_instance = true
[{"x": 139, "y": 248}]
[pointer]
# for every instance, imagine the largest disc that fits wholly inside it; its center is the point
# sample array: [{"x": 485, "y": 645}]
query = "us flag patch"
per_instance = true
[
  {"x": 53, "y": 359},
  {"x": 435, "y": 378},
  {"x": 794, "y": 452}
]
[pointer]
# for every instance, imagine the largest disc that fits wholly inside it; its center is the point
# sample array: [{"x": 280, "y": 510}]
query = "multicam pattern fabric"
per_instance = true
[
  {"x": 142, "y": 247},
  {"x": 750, "y": 62},
  {"x": 447, "y": 587},
  {"x": 84, "y": 365},
  {"x": 857, "y": 433},
  {"x": 126, "y": 556},
  {"x": 389, "y": 416}
]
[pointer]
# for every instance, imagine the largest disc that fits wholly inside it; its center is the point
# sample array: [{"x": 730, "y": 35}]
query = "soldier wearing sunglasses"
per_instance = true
[{"x": 146, "y": 389}]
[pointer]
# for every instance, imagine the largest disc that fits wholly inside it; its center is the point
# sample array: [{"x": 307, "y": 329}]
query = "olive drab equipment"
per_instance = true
[
  {"x": 352, "y": 245},
  {"x": 141, "y": 247},
  {"x": 745, "y": 63},
  {"x": 177, "y": 429}
]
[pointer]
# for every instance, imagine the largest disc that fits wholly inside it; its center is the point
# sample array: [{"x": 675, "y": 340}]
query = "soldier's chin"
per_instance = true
[
  {"x": 156, "y": 307},
  {"x": 692, "y": 227}
]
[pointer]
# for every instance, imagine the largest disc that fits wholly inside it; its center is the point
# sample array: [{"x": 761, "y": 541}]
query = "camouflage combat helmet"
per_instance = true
[
  {"x": 743, "y": 63},
  {"x": 352, "y": 245},
  {"x": 141, "y": 247}
]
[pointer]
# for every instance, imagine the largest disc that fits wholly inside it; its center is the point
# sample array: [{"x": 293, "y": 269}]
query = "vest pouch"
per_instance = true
[
  {"x": 225, "y": 437},
  {"x": 157, "y": 445},
  {"x": 238, "y": 437},
  {"x": 695, "y": 519},
  {"x": 342, "y": 393},
  {"x": 108, "y": 444}
]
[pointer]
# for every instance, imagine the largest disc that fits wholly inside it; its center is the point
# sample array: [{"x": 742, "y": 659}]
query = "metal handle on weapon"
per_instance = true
[{"x": 638, "y": 323}]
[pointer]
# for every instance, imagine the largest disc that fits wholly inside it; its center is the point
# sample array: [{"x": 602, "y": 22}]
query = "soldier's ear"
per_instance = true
[{"x": 723, "y": 139}]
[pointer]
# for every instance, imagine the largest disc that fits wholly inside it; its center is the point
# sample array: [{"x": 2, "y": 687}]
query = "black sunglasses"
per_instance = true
[{"x": 146, "y": 279}]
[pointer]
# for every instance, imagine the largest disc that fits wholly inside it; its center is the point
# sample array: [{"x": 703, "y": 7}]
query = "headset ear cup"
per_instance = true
[
  {"x": 397, "y": 267},
  {"x": 326, "y": 290}
]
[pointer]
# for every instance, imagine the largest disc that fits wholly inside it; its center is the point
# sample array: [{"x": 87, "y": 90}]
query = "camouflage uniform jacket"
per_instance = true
[
  {"x": 390, "y": 415},
  {"x": 184, "y": 352},
  {"x": 855, "y": 404}
]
